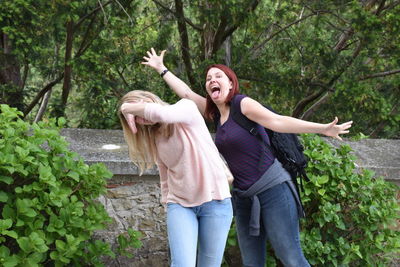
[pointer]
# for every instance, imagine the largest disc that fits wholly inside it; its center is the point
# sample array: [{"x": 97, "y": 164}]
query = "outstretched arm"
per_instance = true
[
  {"x": 285, "y": 124},
  {"x": 177, "y": 85}
]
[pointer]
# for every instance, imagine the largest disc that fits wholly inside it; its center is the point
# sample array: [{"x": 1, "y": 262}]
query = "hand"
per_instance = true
[
  {"x": 130, "y": 118},
  {"x": 130, "y": 107},
  {"x": 155, "y": 61},
  {"x": 333, "y": 129},
  {"x": 125, "y": 108}
]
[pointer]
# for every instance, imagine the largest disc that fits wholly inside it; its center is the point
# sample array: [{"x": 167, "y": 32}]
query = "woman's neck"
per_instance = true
[{"x": 223, "y": 109}]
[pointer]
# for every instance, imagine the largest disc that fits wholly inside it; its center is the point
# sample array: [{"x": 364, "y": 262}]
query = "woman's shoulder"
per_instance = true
[{"x": 238, "y": 97}]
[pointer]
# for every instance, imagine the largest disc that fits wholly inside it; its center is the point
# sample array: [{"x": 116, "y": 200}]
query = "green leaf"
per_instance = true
[
  {"x": 11, "y": 261},
  {"x": 30, "y": 212},
  {"x": 12, "y": 234},
  {"x": 25, "y": 244},
  {"x": 322, "y": 179},
  {"x": 8, "y": 212},
  {"x": 61, "y": 245},
  {"x": 4, "y": 252},
  {"x": 74, "y": 175},
  {"x": 3, "y": 196},
  {"x": 5, "y": 224},
  {"x": 6, "y": 179}
]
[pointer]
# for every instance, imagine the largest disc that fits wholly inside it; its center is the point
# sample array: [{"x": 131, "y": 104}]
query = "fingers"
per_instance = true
[
  {"x": 346, "y": 125},
  {"x": 130, "y": 119},
  {"x": 153, "y": 53},
  {"x": 145, "y": 62},
  {"x": 162, "y": 54},
  {"x": 333, "y": 123}
]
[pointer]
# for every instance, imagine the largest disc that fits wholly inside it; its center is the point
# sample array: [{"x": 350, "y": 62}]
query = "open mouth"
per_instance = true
[{"x": 215, "y": 91}]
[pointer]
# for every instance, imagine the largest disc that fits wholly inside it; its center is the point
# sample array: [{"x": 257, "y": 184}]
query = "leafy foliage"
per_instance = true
[
  {"x": 352, "y": 215},
  {"x": 309, "y": 59},
  {"x": 47, "y": 198}
]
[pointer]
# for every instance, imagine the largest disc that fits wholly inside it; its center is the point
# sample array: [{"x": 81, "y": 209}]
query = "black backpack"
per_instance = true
[{"x": 285, "y": 147}]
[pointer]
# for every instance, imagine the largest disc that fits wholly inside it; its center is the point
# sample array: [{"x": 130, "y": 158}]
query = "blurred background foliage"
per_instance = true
[{"x": 309, "y": 59}]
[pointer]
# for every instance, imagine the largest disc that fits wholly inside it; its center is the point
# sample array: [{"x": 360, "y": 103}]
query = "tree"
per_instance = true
[{"x": 308, "y": 59}]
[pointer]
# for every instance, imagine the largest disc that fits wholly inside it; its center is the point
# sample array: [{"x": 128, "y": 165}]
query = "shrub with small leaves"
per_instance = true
[
  {"x": 47, "y": 198},
  {"x": 351, "y": 214}
]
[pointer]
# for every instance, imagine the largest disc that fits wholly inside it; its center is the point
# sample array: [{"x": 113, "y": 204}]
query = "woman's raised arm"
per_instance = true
[
  {"x": 285, "y": 124},
  {"x": 177, "y": 85}
]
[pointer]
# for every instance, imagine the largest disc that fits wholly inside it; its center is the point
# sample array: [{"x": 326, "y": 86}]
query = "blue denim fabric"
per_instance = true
[
  {"x": 279, "y": 224},
  {"x": 206, "y": 225}
]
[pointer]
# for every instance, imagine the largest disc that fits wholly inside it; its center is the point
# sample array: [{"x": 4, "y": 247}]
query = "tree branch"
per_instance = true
[
  {"x": 383, "y": 123},
  {"x": 41, "y": 93},
  {"x": 25, "y": 76},
  {"x": 223, "y": 32},
  {"x": 301, "y": 105},
  {"x": 314, "y": 107},
  {"x": 254, "y": 49},
  {"x": 121, "y": 75},
  {"x": 288, "y": 26},
  {"x": 85, "y": 37},
  {"x": 188, "y": 21},
  {"x": 390, "y": 6},
  {"x": 43, "y": 106},
  {"x": 380, "y": 74},
  {"x": 99, "y": 7}
]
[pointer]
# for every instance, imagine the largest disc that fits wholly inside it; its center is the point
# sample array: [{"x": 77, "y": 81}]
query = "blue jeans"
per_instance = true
[
  {"x": 279, "y": 224},
  {"x": 206, "y": 225}
]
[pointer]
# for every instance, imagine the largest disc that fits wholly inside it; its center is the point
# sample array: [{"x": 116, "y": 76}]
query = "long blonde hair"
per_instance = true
[{"x": 142, "y": 146}]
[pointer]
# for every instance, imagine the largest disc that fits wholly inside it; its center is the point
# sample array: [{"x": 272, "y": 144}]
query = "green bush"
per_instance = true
[
  {"x": 351, "y": 214},
  {"x": 47, "y": 199}
]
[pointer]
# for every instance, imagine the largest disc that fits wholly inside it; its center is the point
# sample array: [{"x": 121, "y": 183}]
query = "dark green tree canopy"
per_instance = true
[{"x": 309, "y": 59}]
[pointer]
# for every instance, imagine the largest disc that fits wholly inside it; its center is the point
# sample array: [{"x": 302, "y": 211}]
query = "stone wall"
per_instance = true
[{"x": 133, "y": 201}]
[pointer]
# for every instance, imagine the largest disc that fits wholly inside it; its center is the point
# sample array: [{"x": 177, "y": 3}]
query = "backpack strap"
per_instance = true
[
  {"x": 241, "y": 119},
  {"x": 248, "y": 125}
]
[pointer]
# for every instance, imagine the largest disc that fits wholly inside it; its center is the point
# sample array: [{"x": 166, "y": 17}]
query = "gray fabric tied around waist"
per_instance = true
[{"x": 275, "y": 175}]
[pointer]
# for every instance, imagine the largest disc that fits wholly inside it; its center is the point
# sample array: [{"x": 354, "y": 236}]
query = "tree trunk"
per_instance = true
[
  {"x": 67, "y": 68},
  {"x": 11, "y": 83},
  {"x": 228, "y": 51},
  {"x": 185, "y": 48}
]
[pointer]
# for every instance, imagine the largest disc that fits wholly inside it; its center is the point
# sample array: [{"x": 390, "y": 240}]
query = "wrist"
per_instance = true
[
  {"x": 163, "y": 72},
  {"x": 161, "y": 69}
]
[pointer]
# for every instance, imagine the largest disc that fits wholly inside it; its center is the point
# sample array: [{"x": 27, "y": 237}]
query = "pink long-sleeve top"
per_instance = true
[{"x": 191, "y": 169}]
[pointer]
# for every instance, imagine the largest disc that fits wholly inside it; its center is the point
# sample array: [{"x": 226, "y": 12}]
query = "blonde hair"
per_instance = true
[{"x": 142, "y": 146}]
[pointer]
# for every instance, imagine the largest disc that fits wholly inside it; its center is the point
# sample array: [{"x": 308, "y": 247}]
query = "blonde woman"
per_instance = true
[{"x": 194, "y": 185}]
